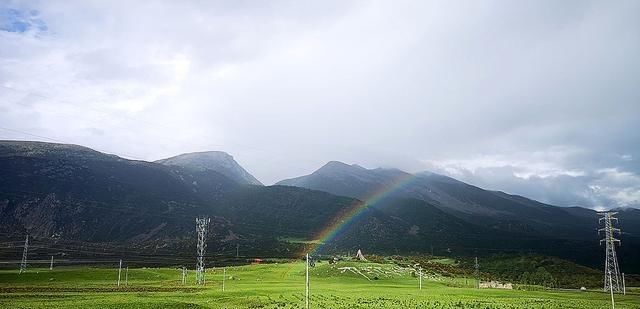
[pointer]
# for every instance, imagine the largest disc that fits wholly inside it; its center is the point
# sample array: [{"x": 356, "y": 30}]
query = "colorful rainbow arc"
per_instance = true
[{"x": 346, "y": 218}]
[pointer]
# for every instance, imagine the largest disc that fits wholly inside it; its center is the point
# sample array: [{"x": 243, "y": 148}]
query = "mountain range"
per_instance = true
[
  {"x": 494, "y": 209},
  {"x": 61, "y": 194}
]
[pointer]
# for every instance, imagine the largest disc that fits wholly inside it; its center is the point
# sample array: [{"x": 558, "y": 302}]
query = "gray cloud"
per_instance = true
[{"x": 538, "y": 98}]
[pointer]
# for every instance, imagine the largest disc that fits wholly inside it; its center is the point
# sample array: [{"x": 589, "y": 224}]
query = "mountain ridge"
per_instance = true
[
  {"x": 78, "y": 194},
  {"x": 496, "y": 209},
  {"x": 218, "y": 161}
]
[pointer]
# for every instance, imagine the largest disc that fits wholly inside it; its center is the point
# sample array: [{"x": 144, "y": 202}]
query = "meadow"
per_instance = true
[{"x": 277, "y": 285}]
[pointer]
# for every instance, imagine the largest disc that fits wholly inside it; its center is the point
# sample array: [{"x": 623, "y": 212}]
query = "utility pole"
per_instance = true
[
  {"x": 184, "y": 275},
  {"x": 224, "y": 276},
  {"x": 420, "y": 275},
  {"x": 477, "y": 273},
  {"x": 119, "y": 272},
  {"x": 202, "y": 227},
  {"x": 126, "y": 277},
  {"x": 306, "y": 292},
  {"x": 624, "y": 286},
  {"x": 23, "y": 263},
  {"x": 51, "y": 266},
  {"x": 612, "y": 282}
]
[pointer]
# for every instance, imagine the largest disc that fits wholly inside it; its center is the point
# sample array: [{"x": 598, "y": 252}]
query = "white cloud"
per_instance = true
[
  {"x": 547, "y": 182},
  {"x": 545, "y": 89},
  {"x": 524, "y": 165}
]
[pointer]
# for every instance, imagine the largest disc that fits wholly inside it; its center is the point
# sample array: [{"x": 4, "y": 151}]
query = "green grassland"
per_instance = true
[{"x": 278, "y": 285}]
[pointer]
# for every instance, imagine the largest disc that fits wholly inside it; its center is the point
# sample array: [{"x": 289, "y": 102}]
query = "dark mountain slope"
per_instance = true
[
  {"x": 497, "y": 210},
  {"x": 499, "y": 221},
  {"x": 74, "y": 192},
  {"x": 508, "y": 212}
]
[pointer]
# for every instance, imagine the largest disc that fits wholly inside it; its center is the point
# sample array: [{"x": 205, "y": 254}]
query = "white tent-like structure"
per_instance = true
[{"x": 360, "y": 256}]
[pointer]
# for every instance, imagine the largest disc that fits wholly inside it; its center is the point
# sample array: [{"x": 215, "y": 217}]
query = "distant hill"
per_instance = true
[
  {"x": 216, "y": 161},
  {"x": 69, "y": 191},
  {"x": 58, "y": 193},
  {"x": 497, "y": 211},
  {"x": 494, "y": 209}
]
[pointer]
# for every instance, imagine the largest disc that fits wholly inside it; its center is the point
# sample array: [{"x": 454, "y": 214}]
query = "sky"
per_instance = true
[{"x": 538, "y": 98}]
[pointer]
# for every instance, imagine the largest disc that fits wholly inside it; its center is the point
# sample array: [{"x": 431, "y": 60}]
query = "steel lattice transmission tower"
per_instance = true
[
  {"x": 612, "y": 281},
  {"x": 23, "y": 263},
  {"x": 202, "y": 227}
]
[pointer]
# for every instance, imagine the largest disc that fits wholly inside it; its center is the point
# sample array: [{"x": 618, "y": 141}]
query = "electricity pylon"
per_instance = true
[
  {"x": 202, "y": 227},
  {"x": 612, "y": 280},
  {"x": 23, "y": 263}
]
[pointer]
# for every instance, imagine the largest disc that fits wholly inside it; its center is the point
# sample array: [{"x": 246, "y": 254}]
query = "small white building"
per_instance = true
[{"x": 496, "y": 285}]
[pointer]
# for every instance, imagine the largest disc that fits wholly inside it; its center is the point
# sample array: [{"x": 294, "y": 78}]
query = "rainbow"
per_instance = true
[{"x": 353, "y": 213}]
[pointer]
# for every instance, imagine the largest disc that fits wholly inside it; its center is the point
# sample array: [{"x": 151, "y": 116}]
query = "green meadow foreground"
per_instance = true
[{"x": 345, "y": 285}]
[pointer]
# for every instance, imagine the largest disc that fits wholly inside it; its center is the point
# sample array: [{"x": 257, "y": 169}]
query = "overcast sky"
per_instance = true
[{"x": 539, "y": 98}]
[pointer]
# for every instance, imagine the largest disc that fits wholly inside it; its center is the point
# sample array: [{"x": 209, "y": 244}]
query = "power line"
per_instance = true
[
  {"x": 67, "y": 143},
  {"x": 129, "y": 209},
  {"x": 172, "y": 126},
  {"x": 115, "y": 251},
  {"x": 174, "y": 217},
  {"x": 256, "y": 227},
  {"x": 102, "y": 112}
]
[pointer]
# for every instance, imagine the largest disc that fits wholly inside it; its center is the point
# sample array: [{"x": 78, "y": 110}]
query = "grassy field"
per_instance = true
[{"x": 344, "y": 285}]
